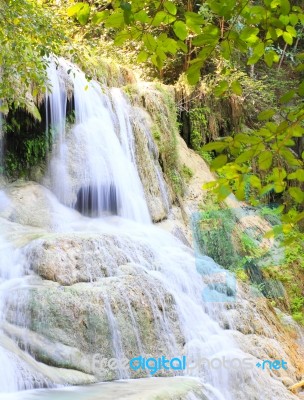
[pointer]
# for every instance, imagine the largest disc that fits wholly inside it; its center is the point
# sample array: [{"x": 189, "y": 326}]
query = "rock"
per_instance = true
[
  {"x": 29, "y": 204},
  {"x": 74, "y": 258},
  {"x": 36, "y": 374},
  {"x": 155, "y": 187},
  {"x": 297, "y": 387},
  {"x": 116, "y": 317}
]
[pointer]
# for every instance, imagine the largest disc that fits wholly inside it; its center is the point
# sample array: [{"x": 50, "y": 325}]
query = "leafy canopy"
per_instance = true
[{"x": 28, "y": 33}]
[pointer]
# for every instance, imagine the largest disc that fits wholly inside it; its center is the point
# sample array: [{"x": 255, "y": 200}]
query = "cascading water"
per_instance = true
[
  {"x": 93, "y": 168},
  {"x": 100, "y": 175},
  {"x": 12, "y": 371}
]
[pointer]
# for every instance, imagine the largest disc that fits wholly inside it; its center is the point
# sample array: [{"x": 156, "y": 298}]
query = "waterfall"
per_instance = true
[
  {"x": 92, "y": 168},
  {"x": 11, "y": 270},
  {"x": 98, "y": 175}
]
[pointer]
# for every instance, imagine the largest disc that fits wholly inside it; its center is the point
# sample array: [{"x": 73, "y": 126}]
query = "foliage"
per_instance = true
[
  {"x": 26, "y": 143},
  {"x": 187, "y": 173},
  {"x": 28, "y": 34},
  {"x": 215, "y": 236},
  {"x": 291, "y": 273}
]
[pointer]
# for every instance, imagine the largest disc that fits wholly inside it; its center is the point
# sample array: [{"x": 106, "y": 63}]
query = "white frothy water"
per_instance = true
[
  {"x": 99, "y": 174},
  {"x": 11, "y": 269}
]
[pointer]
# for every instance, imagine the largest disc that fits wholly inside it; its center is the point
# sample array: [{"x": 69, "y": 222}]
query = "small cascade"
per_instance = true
[
  {"x": 92, "y": 166},
  {"x": 163, "y": 188},
  {"x": 11, "y": 271},
  {"x": 122, "y": 373}
]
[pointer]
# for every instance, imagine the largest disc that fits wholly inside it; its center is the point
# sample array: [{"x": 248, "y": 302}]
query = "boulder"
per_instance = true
[
  {"x": 74, "y": 258},
  {"x": 29, "y": 204},
  {"x": 75, "y": 327}
]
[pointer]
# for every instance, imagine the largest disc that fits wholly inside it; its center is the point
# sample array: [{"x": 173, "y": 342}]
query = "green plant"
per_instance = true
[
  {"x": 249, "y": 246},
  {"x": 156, "y": 133},
  {"x": 187, "y": 173}
]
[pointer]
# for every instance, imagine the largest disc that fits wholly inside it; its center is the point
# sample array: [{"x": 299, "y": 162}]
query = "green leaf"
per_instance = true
[
  {"x": 296, "y": 131},
  {"x": 301, "y": 89},
  {"x": 291, "y": 30},
  {"x": 293, "y": 18},
  {"x": 255, "y": 181},
  {"x": 259, "y": 49},
  {"x": 285, "y": 6},
  {"x": 223, "y": 192},
  {"x": 237, "y": 88},
  {"x": 159, "y": 18},
  {"x": 226, "y": 50},
  {"x": 297, "y": 194},
  {"x": 275, "y": 3},
  {"x": 287, "y": 38},
  {"x": 249, "y": 35},
  {"x": 100, "y": 17},
  {"x": 266, "y": 189},
  {"x": 279, "y": 186},
  {"x": 245, "y": 156},
  {"x": 287, "y": 97},
  {"x": 272, "y": 34},
  {"x": 265, "y": 160},
  {"x": 182, "y": 46},
  {"x": 180, "y": 30},
  {"x": 221, "y": 88},
  {"x": 142, "y": 17},
  {"x": 157, "y": 61},
  {"x": 210, "y": 36},
  {"x": 289, "y": 156},
  {"x": 170, "y": 7},
  {"x": 298, "y": 174},
  {"x": 115, "y": 20},
  {"x": 219, "y": 146},
  {"x": 121, "y": 38},
  {"x": 125, "y": 6},
  {"x": 149, "y": 42},
  {"x": 204, "y": 54},
  {"x": 265, "y": 115},
  {"x": 219, "y": 161},
  {"x": 83, "y": 14},
  {"x": 253, "y": 59},
  {"x": 284, "y": 19},
  {"x": 142, "y": 56},
  {"x": 193, "y": 19},
  {"x": 73, "y": 10},
  {"x": 279, "y": 173},
  {"x": 194, "y": 73},
  {"x": 269, "y": 58}
]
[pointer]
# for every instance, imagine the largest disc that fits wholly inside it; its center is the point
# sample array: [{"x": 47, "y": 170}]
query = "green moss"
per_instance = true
[
  {"x": 160, "y": 104},
  {"x": 187, "y": 173}
]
